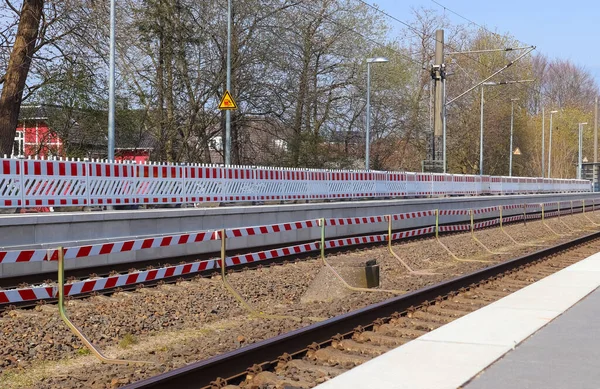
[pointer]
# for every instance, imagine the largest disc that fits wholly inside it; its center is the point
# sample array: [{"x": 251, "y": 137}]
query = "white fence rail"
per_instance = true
[{"x": 44, "y": 183}]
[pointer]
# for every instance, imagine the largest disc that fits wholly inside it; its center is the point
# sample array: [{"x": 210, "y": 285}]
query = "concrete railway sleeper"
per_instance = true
[{"x": 311, "y": 355}]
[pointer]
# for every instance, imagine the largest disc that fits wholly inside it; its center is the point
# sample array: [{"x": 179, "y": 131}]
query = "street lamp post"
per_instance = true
[
  {"x": 368, "y": 121},
  {"x": 512, "y": 114},
  {"x": 111, "y": 85},
  {"x": 228, "y": 88},
  {"x": 481, "y": 127},
  {"x": 550, "y": 146},
  {"x": 580, "y": 150}
]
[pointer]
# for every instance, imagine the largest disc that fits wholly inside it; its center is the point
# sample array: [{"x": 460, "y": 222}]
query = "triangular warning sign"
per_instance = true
[{"x": 227, "y": 102}]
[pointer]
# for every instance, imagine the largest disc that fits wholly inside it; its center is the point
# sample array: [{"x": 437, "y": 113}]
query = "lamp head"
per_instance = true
[{"x": 377, "y": 60}]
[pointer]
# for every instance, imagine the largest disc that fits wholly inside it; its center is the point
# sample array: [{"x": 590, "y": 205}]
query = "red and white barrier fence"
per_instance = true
[
  {"x": 39, "y": 255},
  {"x": 48, "y": 292},
  {"x": 47, "y": 183},
  {"x": 268, "y": 229},
  {"x": 413, "y": 215}
]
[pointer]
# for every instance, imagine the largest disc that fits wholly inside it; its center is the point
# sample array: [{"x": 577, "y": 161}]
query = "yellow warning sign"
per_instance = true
[{"x": 227, "y": 102}]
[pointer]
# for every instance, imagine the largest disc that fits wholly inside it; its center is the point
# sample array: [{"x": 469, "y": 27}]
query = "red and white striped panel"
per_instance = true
[
  {"x": 355, "y": 220},
  {"x": 534, "y": 216},
  {"x": 269, "y": 229},
  {"x": 160, "y": 184},
  {"x": 98, "y": 284},
  {"x": 54, "y": 183},
  {"x": 24, "y": 256},
  {"x": 453, "y": 212},
  {"x": 533, "y": 205},
  {"x": 413, "y": 215},
  {"x": 411, "y": 233},
  {"x": 552, "y": 205},
  {"x": 203, "y": 184},
  {"x": 355, "y": 241},
  {"x": 513, "y": 206},
  {"x": 136, "y": 244},
  {"x": 456, "y": 227},
  {"x": 111, "y": 183},
  {"x": 106, "y": 248},
  {"x": 13, "y": 296},
  {"x": 270, "y": 254},
  {"x": 10, "y": 183},
  {"x": 487, "y": 223},
  {"x": 137, "y": 277},
  {"x": 479, "y": 211},
  {"x": 512, "y": 218},
  {"x": 550, "y": 214}
]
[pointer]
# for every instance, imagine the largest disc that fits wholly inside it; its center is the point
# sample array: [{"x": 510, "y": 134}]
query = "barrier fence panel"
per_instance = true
[
  {"x": 42, "y": 183},
  {"x": 269, "y": 184},
  {"x": 110, "y": 184},
  {"x": 54, "y": 183},
  {"x": 160, "y": 184},
  {"x": 396, "y": 184},
  {"x": 203, "y": 184},
  {"x": 10, "y": 183},
  {"x": 238, "y": 184}
]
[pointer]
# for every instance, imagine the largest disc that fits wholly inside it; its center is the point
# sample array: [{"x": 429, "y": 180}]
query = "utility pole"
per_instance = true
[
  {"x": 228, "y": 87},
  {"x": 438, "y": 75}
]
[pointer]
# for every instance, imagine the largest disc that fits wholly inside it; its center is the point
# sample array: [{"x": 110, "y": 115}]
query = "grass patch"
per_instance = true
[
  {"x": 128, "y": 341},
  {"x": 83, "y": 351}
]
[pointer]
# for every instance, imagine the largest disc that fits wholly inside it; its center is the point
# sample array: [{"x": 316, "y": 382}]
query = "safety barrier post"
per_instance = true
[
  {"x": 542, "y": 204},
  {"x": 437, "y": 223},
  {"x": 252, "y": 311},
  {"x": 322, "y": 222},
  {"x": 472, "y": 224},
  {"x": 391, "y": 250},
  {"x": 500, "y": 207},
  {"x": 69, "y": 323},
  {"x": 525, "y": 214}
]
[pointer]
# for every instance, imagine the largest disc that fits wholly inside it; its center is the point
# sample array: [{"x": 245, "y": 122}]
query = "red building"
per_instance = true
[{"x": 36, "y": 137}]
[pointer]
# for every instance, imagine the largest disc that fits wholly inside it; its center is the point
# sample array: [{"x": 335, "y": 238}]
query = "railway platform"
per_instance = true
[{"x": 542, "y": 336}]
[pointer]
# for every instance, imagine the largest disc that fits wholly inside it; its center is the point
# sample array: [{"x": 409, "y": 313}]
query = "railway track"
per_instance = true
[{"x": 308, "y": 356}]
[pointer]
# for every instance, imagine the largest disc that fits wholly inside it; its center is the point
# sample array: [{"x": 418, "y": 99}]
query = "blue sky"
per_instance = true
[{"x": 568, "y": 30}]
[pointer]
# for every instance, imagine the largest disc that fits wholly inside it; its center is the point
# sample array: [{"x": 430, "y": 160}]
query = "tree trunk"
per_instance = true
[{"x": 16, "y": 73}]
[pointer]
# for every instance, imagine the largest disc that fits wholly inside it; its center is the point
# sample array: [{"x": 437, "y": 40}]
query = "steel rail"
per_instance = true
[{"x": 233, "y": 365}]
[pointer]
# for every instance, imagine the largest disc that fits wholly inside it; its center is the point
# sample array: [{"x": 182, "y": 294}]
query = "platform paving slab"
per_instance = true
[
  {"x": 564, "y": 354},
  {"x": 452, "y": 355}
]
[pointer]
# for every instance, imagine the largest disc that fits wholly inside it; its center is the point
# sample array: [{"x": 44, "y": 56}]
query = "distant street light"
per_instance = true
[
  {"x": 580, "y": 150},
  {"x": 489, "y": 83},
  {"x": 550, "y": 146},
  {"x": 512, "y": 114},
  {"x": 368, "y": 124}
]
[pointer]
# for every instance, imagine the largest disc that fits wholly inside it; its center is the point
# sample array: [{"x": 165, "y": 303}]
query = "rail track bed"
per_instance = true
[{"x": 176, "y": 325}]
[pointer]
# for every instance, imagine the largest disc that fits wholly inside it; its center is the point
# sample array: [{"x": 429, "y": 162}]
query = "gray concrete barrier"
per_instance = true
[{"x": 31, "y": 231}]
